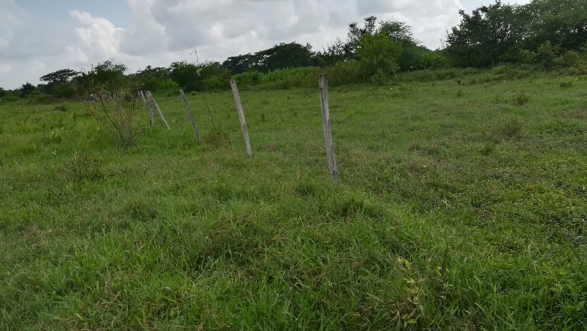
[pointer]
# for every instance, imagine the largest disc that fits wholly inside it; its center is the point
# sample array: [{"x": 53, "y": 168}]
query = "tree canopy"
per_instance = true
[
  {"x": 292, "y": 55},
  {"x": 59, "y": 76},
  {"x": 504, "y": 33}
]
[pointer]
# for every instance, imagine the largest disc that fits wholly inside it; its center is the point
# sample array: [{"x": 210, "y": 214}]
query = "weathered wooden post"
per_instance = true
[
  {"x": 150, "y": 96},
  {"x": 241, "y": 116},
  {"x": 187, "y": 106},
  {"x": 327, "y": 129},
  {"x": 140, "y": 93},
  {"x": 149, "y": 106}
]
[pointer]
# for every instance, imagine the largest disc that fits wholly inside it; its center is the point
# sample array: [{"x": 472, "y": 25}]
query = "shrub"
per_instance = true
[
  {"x": 522, "y": 98},
  {"x": 45, "y": 99},
  {"x": 9, "y": 98},
  {"x": 343, "y": 73},
  {"x": 116, "y": 114},
  {"x": 378, "y": 53},
  {"x": 84, "y": 168},
  {"x": 60, "y": 108},
  {"x": 64, "y": 90},
  {"x": 511, "y": 129}
]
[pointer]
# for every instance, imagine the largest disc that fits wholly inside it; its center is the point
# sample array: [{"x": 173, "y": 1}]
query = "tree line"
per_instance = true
[{"x": 544, "y": 34}]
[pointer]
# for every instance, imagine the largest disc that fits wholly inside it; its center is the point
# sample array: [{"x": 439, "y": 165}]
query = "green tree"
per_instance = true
[
  {"x": 107, "y": 75},
  {"x": 152, "y": 79},
  {"x": 185, "y": 74},
  {"x": 334, "y": 53},
  {"x": 26, "y": 89},
  {"x": 240, "y": 64},
  {"x": 59, "y": 76},
  {"x": 562, "y": 22},
  {"x": 64, "y": 90},
  {"x": 412, "y": 52},
  {"x": 356, "y": 34},
  {"x": 199, "y": 77},
  {"x": 488, "y": 35},
  {"x": 292, "y": 55},
  {"x": 284, "y": 56},
  {"x": 378, "y": 54},
  {"x": 397, "y": 31}
]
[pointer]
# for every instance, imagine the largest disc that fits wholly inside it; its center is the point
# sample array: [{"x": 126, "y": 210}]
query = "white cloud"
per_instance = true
[
  {"x": 163, "y": 31},
  {"x": 5, "y": 68},
  {"x": 98, "y": 34}
]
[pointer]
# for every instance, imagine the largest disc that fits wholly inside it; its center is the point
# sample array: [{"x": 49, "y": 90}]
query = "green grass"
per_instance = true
[{"x": 462, "y": 206}]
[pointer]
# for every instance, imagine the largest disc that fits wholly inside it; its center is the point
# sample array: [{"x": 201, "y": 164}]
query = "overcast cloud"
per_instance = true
[{"x": 158, "y": 32}]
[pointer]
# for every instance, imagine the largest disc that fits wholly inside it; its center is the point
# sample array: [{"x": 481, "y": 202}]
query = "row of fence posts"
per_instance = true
[{"x": 151, "y": 104}]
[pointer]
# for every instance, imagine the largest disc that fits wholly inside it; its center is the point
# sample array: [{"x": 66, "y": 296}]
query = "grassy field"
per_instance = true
[{"x": 462, "y": 206}]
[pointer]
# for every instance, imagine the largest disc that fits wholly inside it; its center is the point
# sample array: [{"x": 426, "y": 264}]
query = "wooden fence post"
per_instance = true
[
  {"x": 187, "y": 106},
  {"x": 241, "y": 116},
  {"x": 149, "y": 106},
  {"x": 142, "y": 96},
  {"x": 327, "y": 129},
  {"x": 150, "y": 96}
]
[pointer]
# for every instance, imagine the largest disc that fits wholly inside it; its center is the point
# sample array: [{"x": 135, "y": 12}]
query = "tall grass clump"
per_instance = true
[{"x": 115, "y": 112}]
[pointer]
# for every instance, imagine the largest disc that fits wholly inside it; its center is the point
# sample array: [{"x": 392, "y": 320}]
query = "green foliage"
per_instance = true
[
  {"x": 546, "y": 54},
  {"x": 106, "y": 75},
  {"x": 83, "y": 168},
  {"x": 452, "y": 213},
  {"x": 45, "y": 99},
  {"x": 200, "y": 77},
  {"x": 343, "y": 73},
  {"x": 26, "y": 90},
  {"x": 432, "y": 60},
  {"x": 378, "y": 53},
  {"x": 412, "y": 55},
  {"x": 335, "y": 52},
  {"x": 535, "y": 34},
  {"x": 281, "y": 56},
  {"x": 115, "y": 113},
  {"x": 64, "y": 90},
  {"x": 60, "y": 76},
  {"x": 154, "y": 80},
  {"x": 510, "y": 128},
  {"x": 9, "y": 97},
  {"x": 522, "y": 98}
]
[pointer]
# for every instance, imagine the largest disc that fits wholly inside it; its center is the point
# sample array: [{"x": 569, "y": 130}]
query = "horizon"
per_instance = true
[{"x": 138, "y": 33}]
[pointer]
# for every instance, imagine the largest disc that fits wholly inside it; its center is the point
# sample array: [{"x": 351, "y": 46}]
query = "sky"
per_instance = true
[{"x": 41, "y": 36}]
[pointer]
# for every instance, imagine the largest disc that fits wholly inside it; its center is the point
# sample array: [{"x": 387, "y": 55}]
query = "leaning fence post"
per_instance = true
[
  {"x": 141, "y": 95},
  {"x": 158, "y": 109},
  {"x": 187, "y": 106},
  {"x": 327, "y": 129},
  {"x": 241, "y": 116},
  {"x": 149, "y": 106}
]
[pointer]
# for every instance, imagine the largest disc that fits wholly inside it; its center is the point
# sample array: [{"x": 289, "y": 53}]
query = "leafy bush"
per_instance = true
[
  {"x": 116, "y": 114},
  {"x": 9, "y": 98},
  {"x": 84, "y": 168},
  {"x": 64, "y": 90},
  {"x": 512, "y": 128},
  {"x": 378, "y": 53},
  {"x": 45, "y": 99},
  {"x": 435, "y": 75},
  {"x": 344, "y": 73},
  {"x": 522, "y": 98},
  {"x": 509, "y": 72}
]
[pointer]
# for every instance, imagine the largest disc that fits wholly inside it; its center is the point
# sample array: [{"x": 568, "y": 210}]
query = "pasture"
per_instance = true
[{"x": 462, "y": 206}]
